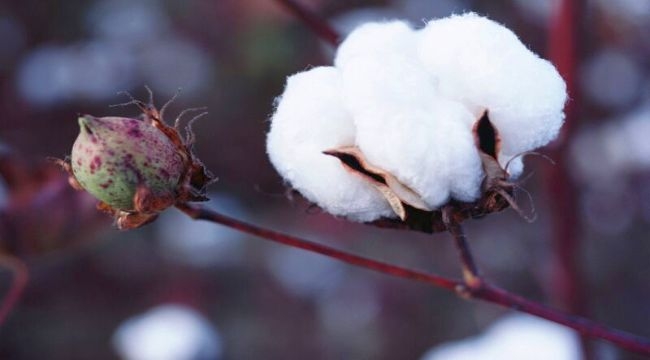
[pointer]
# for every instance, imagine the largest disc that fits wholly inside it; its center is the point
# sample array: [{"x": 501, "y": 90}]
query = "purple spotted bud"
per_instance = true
[
  {"x": 114, "y": 156},
  {"x": 137, "y": 167}
]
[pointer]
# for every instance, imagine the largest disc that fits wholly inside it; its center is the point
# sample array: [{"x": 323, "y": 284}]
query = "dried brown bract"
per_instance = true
[{"x": 412, "y": 212}]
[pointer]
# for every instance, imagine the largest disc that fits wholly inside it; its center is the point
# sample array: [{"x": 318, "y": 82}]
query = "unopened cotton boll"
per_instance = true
[
  {"x": 484, "y": 65},
  {"x": 311, "y": 118}
]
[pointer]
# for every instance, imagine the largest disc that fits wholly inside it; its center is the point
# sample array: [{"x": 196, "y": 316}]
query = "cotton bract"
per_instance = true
[{"x": 409, "y": 100}]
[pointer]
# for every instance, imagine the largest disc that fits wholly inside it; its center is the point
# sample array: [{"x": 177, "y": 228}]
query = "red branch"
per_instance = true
[
  {"x": 566, "y": 289},
  {"x": 20, "y": 274},
  {"x": 471, "y": 275},
  {"x": 319, "y": 26},
  {"x": 205, "y": 214},
  {"x": 483, "y": 291},
  {"x": 564, "y": 209}
]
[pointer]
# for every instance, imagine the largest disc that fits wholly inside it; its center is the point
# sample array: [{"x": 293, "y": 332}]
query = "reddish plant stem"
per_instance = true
[
  {"x": 471, "y": 274},
  {"x": 385, "y": 268},
  {"x": 320, "y": 27},
  {"x": 20, "y": 277},
  {"x": 566, "y": 290},
  {"x": 584, "y": 326},
  {"x": 484, "y": 291},
  {"x": 564, "y": 209}
]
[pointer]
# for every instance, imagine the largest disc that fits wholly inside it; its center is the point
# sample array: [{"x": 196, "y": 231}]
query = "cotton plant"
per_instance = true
[
  {"x": 413, "y": 126},
  {"x": 409, "y": 121}
]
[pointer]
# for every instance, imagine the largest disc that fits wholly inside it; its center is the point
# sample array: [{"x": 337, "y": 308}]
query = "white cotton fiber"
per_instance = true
[
  {"x": 408, "y": 130},
  {"x": 310, "y": 118},
  {"x": 378, "y": 39},
  {"x": 409, "y": 100},
  {"x": 484, "y": 65},
  {"x": 513, "y": 337}
]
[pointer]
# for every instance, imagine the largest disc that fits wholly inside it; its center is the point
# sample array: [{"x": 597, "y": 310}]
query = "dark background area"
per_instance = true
[{"x": 265, "y": 301}]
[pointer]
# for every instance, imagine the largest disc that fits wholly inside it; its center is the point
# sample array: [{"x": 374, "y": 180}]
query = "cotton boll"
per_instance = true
[
  {"x": 405, "y": 128},
  {"x": 310, "y": 118},
  {"x": 377, "y": 39},
  {"x": 173, "y": 332},
  {"x": 485, "y": 66},
  {"x": 513, "y": 337},
  {"x": 409, "y": 100}
]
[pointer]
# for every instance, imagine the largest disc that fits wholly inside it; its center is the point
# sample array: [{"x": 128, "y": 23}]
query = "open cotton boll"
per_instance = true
[
  {"x": 405, "y": 128},
  {"x": 310, "y": 118},
  {"x": 484, "y": 65},
  {"x": 394, "y": 37},
  {"x": 405, "y": 105}
]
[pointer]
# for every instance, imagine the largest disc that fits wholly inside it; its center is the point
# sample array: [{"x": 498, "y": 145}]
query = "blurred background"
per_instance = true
[{"x": 179, "y": 289}]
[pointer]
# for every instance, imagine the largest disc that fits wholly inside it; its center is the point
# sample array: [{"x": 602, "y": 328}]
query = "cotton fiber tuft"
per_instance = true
[{"x": 409, "y": 101}]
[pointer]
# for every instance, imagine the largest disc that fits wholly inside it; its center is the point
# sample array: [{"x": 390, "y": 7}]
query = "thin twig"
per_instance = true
[
  {"x": 320, "y": 27},
  {"x": 471, "y": 275},
  {"x": 584, "y": 326},
  {"x": 20, "y": 275},
  {"x": 484, "y": 292},
  {"x": 201, "y": 213}
]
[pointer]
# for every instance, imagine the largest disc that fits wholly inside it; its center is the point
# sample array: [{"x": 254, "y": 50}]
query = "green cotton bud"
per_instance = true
[
  {"x": 114, "y": 156},
  {"x": 137, "y": 167}
]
